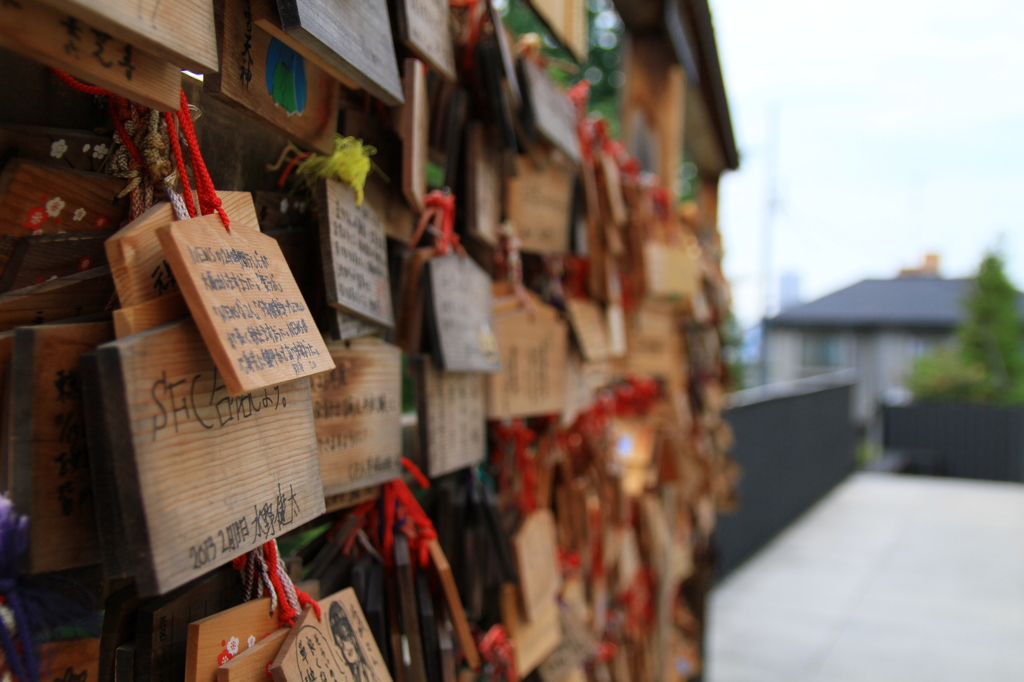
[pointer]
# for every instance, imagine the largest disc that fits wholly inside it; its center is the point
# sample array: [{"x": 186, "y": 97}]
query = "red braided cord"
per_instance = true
[
  {"x": 388, "y": 542},
  {"x": 172, "y": 133},
  {"x": 208, "y": 199},
  {"x": 72, "y": 82}
]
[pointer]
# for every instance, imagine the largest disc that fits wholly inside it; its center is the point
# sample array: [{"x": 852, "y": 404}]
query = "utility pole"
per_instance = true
[{"x": 771, "y": 206}]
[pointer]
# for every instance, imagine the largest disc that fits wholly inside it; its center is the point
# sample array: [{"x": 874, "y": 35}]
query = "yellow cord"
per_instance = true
[{"x": 350, "y": 163}]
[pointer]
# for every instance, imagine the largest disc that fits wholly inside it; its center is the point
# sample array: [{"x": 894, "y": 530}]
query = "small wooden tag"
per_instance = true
[
  {"x": 553, "y": 113},
  {"x": 87, "y": 52},
  {"x": 533, "y": 346},
  {"x": 461, "y": 315},
  {"x": 66, "y": 661},
  {"x": 536, "y": 552},
  {"x": 533, "y": 641},
  {"x": 137, "y": 260},
  {"x": 38, "y": 258},
  {"x": 216, "y": 639},
  {"x": 423, "y": 26},
  {"x": 354, "y": 39},
  {"x": 354, "y": 250},
  {"x": 590, "y": 327},
  {"x": 253, "y": 664},
  {"x": 50, "y": 458},
  {"x": 483, "y": 184},
  {"x": 357, "y": 409},
  {"x": 245, "y": 302},
  {"x": 539, "y": 202},
  {"x": 268, "y": 80},
  {"x": 192, "y": 456},
  {"x": 452, "y": 418},
  {"x": 40, "y": 199},
  {"x": 672, "y": 271},
  {"x": 415, "y": 133},
  {"x": 655, "y": 343},
  {"x": 178, "y": 31},
  {"x": 339, "y": 644},
  {"x": 454, "y": 602}
]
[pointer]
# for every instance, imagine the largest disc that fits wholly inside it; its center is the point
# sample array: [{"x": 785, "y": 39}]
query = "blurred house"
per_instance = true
[{"x": 877, "y": 327}]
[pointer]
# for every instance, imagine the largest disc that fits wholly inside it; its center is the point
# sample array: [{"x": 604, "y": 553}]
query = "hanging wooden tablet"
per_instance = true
[
  {"x": 139, "y": 318},
  {"x": 40, "y": 199},
  {"x": 80, "y": 150},
  {"x": 87, "y": 292},
  {"x": 423, "y": 27},
  {"x": 567, "y": 19},
  {"x": 395, "y": 213},
  {"x": 193, "y": 456},
  {"x": 354, "y": 38},
  {"x": 483, "y": 184},
  {"x": 551, "y": 111},
  {"x": 253, "y": 664},
  {"x": 357, "y": 410},
  {"x": 672, "y": 270},
  {"x": 415, "y": 131},
  {"x": 86, "y": 51},
  {"x": 452, "y": 420},
  {"x": 590, "y": 327},
  {"x": 37, "y": 258},
  {"x": 354, "y": 251},
  {"x": 535, "y": 640},
  {"x": 460, "y": 315},
  {"x": 655, "y": 343},
  {"x": 137, "y": 260},
  {"x": 49, "y": 455},
  {"x": 265, "y": 78},
  {"x": 339, "y": 644},
  {"x": 161, "y": 635},
  {"x": 615, "y": 201},
  {"x": 345, "y": 327},
  {"x": 178, "y": 31},
  {"x": 533, "y": 344},
  {"x": 245, "y": 302},
  {"x": 411, "y": 300},
  {"x": 216, "y": 639},
  {"x": 65, "y": 661},
  {"x": 536, "y": 552},
  {"x": 455, "y": 610},
  {"x": 539, "y": 202}
]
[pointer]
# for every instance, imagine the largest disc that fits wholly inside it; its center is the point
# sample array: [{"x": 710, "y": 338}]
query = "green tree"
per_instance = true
[{"x": 987, "y": 363}]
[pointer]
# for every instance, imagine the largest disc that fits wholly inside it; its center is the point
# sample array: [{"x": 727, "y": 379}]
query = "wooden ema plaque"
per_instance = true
[
  {"x": 483, "y": 184},
  {"x": 216, "y": 639},
  {"x": 656, "y": 343},
  {"x": 87, "y": 52},
  {"x": 74, "y": 660},
  {"x": 137, "y": 260},
  {"x": 245, "y": 302},
  {"x": 253, "y": 664},
  {"x": 50, "y": 459},
  {"x": 415, "y": 130},
  {"x": 357, "y": 410},
  {"x": 423, "y": 26},
  {"x": 539, "y": 202},
  {"x": 40, "y": 199},
  {"x": 552, "y": 112},
  {"x": 536, "y": 551},
  {"x": 265, "y": 78},
  {"x": 58, "y": 299},
  {"x": 339, "y": 644},
  {"x": 590, "y": 327},
  {"x": 37, "y": 258},
  {"x": 177, "y": 31},
  {"x": 671, "y": 271},
  {"x": 567, "y": 19},
  {"x": 533, "y": 641},
  {"x": 192, "y": 456},
  {"x": 79, "y": 150},
  {"x": 351, "y": 36},
  {"x": 533, "y": 346},
  {"x": 354, "y": 251},
  {"x": 460, "y": 315},
  {"x": 139, "y": 318},
  {"x": 452, "y": 419}
]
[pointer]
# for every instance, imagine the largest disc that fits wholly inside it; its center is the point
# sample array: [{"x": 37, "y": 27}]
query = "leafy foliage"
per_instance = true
[{"x": 987, "y": 363}]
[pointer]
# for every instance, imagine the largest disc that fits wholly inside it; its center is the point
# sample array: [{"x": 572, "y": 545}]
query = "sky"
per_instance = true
[{"x": 899, "y": 130}]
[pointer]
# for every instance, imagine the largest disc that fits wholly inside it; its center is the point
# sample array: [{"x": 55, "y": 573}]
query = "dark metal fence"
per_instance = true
[
  {"x": 966, "y": 441},
  {"x": 795, "y": 443}
]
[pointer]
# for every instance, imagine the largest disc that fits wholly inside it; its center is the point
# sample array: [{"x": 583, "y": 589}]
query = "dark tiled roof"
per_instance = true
[{"x": 902, "y": 302}]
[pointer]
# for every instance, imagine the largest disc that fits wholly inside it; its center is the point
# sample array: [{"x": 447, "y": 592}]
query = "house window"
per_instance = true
[{"x": 823, "y": 351}]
